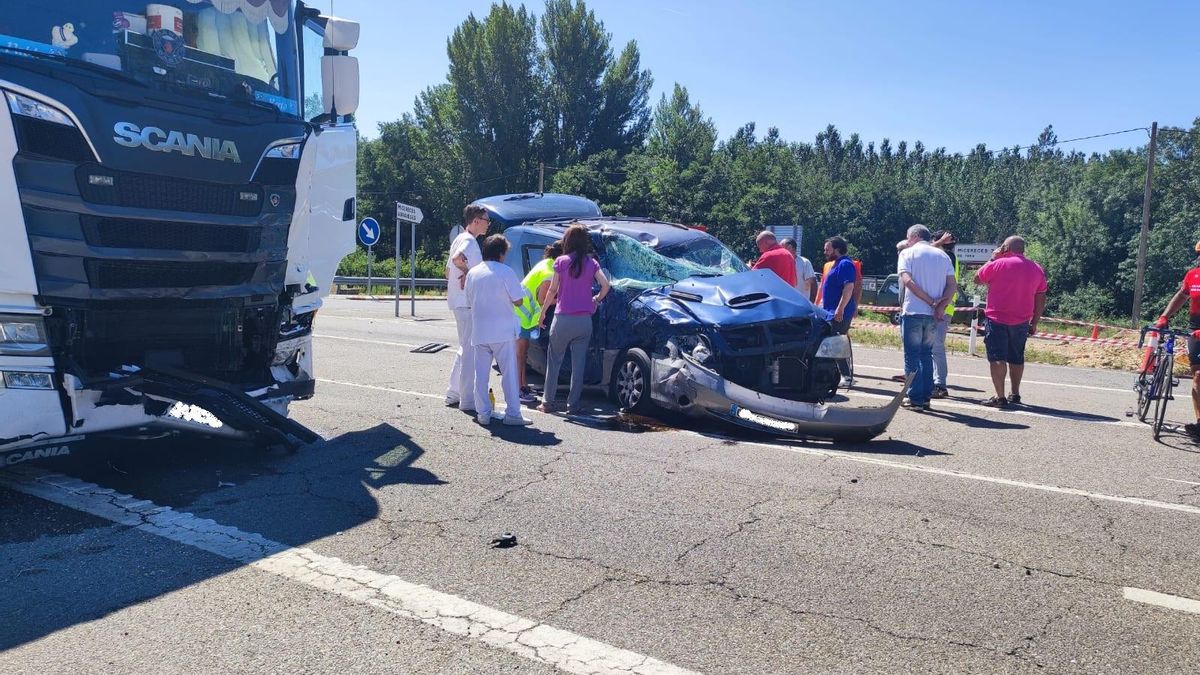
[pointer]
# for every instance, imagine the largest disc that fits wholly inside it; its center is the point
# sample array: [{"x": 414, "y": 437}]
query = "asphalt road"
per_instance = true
[{"x": 1055, "y": 537}]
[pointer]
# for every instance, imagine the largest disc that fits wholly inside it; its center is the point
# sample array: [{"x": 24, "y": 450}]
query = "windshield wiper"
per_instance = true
[{"x": 76, "y": 63}]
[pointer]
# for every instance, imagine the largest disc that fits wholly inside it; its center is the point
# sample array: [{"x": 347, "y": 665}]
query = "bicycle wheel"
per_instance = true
[
  {"x": 1167, "y": 382},
  {"x": 1142, "y": 387},
  {"x": 1149, "y": 392}
]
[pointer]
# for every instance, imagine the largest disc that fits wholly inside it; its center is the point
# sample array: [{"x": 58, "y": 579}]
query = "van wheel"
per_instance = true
[{"x": 631, "y": 382}]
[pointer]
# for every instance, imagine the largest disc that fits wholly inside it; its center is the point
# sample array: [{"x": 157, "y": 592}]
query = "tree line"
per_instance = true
[{"x": 523, "y": 91}]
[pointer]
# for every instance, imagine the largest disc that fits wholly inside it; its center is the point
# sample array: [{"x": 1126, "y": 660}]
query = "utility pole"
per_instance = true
[
  {"x": 541, "y": 178},
  {"x": 1139, "y": 283}
]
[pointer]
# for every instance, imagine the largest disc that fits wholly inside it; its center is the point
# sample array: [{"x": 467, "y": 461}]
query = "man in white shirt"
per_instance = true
[
  {"x": 464, "y": 254},
  {"x": 804, "y": 269},
  {"x": 493, "y": 289},
  {"x": 927, "y": 277}
]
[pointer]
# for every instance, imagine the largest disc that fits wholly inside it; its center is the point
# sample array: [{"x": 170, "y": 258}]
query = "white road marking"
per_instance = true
[
  {"x": 941, "y": 404},
  {"x": 851, "y": 457},
  {"x": 1176, "y": 480},
  {"x": 389, "y": 319},
  {"x": 1162, "y": 600},
  {"x": 1023, "y": 381},
  {"x": 372, "y": 342},
  {"x": 377, "y": 388},
  {"x": 539, "y": 642}
]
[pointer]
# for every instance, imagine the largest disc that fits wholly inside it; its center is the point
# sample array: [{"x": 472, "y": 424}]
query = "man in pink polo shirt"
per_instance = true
[{"x": 1015, "y": 301}]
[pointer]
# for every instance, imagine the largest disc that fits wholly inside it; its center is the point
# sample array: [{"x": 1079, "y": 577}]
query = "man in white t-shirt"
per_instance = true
[
  {"x": 927, "y": 276},
  {"x": 464, "y": 254},
  {"x": 804, "y": 269},
  {"x": 493, "y": 289}
]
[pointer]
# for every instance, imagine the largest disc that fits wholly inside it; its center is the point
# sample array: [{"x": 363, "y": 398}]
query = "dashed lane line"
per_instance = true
[
  {"x": 535, "y": 641},
  {"x": 885, "y": 463},
  {"x": 1174, "y": 602}
]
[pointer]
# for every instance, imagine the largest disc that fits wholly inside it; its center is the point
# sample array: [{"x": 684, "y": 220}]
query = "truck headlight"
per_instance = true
[
  {"x": 23, "y": 336},
  {"x": 836, "y": 347},
  {"x": 28, "y": 107},
  {"x": 286, "y": 151}
]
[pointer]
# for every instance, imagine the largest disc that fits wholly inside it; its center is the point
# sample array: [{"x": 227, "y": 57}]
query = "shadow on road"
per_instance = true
[
  {"x": 974, "y": 422},
  {"x": 1072, "y": 415},
  {"x": 61, "y": 568}
]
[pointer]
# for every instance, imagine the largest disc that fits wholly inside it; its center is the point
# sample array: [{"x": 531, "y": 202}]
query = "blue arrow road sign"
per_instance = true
[{"x": 368, "y": 232}]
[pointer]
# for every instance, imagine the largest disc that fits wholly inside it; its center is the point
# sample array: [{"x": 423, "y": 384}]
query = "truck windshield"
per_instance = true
[
  {"x": 219, "y": 49},
  {"x": 631, "y": 264}
]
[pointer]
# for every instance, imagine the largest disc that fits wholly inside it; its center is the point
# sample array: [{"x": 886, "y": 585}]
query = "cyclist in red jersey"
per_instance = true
[{"x": 1189, "y": 292}]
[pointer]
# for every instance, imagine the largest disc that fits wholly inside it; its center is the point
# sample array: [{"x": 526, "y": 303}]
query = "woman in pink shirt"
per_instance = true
[{"x": 571, "y": 293}]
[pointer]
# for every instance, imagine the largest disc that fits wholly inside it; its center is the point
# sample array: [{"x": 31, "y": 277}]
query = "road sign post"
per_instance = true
[
  {"x": 370, "y": 266},
  {"x": 368, "y": 234},
  {"x": 972, "y": 341},
  {"x": 413, "y": 216}
]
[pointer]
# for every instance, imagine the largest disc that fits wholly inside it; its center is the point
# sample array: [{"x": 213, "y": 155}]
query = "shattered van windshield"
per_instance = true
[{"x": 632, "y": 265}]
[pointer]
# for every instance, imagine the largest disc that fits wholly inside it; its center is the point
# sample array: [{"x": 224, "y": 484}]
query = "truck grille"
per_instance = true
[
  {"x": 117, "y": 274},
  {"x": 169, "y": 236},
  {"x": 163, "y": 193},
  {"x": 48, "y": 139}
]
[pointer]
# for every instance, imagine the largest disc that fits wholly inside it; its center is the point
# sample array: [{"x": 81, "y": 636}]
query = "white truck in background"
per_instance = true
[{"x": 177, "y": 187}]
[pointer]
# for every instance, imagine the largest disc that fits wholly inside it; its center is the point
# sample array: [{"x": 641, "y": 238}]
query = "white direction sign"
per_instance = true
[
  {"x": 972, "y": 254},
  {"x": 408, "y": 213},
  {"x": 369, "y": 231}
]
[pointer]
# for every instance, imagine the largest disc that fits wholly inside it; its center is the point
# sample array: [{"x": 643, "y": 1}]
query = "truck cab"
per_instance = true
[{"x": 177, "y": 186}]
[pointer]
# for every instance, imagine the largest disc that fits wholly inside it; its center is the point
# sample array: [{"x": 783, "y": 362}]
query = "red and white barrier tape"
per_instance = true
[{"x": 1104, "y": 342}]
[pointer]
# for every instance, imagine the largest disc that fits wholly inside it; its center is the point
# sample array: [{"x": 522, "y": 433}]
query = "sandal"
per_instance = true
[
  {"x": 995, "y": 402},
  {"x": 1014, "y": 399}
]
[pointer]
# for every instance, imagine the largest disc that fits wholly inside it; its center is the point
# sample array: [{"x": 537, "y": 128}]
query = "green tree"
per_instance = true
[{"x": 493, "y": 73}]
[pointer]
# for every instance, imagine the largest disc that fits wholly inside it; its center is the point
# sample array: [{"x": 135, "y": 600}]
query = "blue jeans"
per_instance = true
[{"x": 917, "y": 332}]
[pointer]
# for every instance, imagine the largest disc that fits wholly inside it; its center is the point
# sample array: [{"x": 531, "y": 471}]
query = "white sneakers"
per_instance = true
[{"x": 508, "y": 421}]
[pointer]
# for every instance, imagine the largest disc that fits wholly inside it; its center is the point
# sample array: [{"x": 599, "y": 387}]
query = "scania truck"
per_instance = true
[{"x": 177, "y": 186}]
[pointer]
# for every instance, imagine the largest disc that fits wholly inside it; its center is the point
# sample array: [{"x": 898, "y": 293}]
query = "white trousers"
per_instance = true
[
  {"x": 462, "y": 373},
  {"x": 505, "y": 355}
]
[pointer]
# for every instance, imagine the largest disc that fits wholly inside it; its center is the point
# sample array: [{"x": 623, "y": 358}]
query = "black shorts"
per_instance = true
[
  {"x": 1006, "y": 344},
  {"x": 1194, "y": 352}
]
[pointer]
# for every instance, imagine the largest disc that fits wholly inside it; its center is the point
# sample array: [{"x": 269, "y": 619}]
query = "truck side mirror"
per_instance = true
[{"x": 339, "y": 71}]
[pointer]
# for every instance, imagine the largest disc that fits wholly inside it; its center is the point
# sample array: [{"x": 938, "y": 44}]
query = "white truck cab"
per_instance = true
[{"x": 177, "y": 186}]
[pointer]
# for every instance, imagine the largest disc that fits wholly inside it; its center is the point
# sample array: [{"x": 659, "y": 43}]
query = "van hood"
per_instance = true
[{"x": 746, "y": 298}]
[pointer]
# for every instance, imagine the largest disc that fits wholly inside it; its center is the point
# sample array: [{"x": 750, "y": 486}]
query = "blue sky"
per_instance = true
[{"x": 950, "y": 74}]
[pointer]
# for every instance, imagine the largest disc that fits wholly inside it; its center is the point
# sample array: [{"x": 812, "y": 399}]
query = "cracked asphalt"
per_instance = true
[{"x": 964, "y": 540}]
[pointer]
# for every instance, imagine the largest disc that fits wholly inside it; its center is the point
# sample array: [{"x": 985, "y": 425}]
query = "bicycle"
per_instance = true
[{"x": 1156, "y": 382}]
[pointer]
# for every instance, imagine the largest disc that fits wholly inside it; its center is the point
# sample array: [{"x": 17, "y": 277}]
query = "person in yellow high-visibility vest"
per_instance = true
[
  {"x": 536, "y": 283},
  {"x": 944, "y": 240}
]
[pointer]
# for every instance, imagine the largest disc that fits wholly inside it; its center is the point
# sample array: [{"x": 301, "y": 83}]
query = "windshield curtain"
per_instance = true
[
  {"x": 632, "y": 265},
  {"x": 236, "y": 49}
]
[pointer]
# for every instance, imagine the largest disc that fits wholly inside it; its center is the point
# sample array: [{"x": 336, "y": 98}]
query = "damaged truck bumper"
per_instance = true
[
  {"x": 146, "y": 403},
  {"x": 682, "y": 384}
]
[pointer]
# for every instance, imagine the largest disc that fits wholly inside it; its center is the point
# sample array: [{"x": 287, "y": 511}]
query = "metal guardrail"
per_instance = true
[{"x": 388, "y": 281}]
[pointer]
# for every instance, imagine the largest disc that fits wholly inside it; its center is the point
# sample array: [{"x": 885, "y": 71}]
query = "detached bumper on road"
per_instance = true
[{"x": 682, "y": 384}]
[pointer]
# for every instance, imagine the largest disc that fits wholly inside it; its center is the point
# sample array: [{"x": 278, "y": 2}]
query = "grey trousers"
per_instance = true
[
  {"x": 573, "y": 332},
  {"x": 940, "y": 328}
]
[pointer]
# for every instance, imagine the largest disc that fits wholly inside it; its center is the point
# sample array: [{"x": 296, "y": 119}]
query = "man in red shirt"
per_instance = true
[
  {"x": 1189, "y": 293},
  {"x": 775, "y": 258}
]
